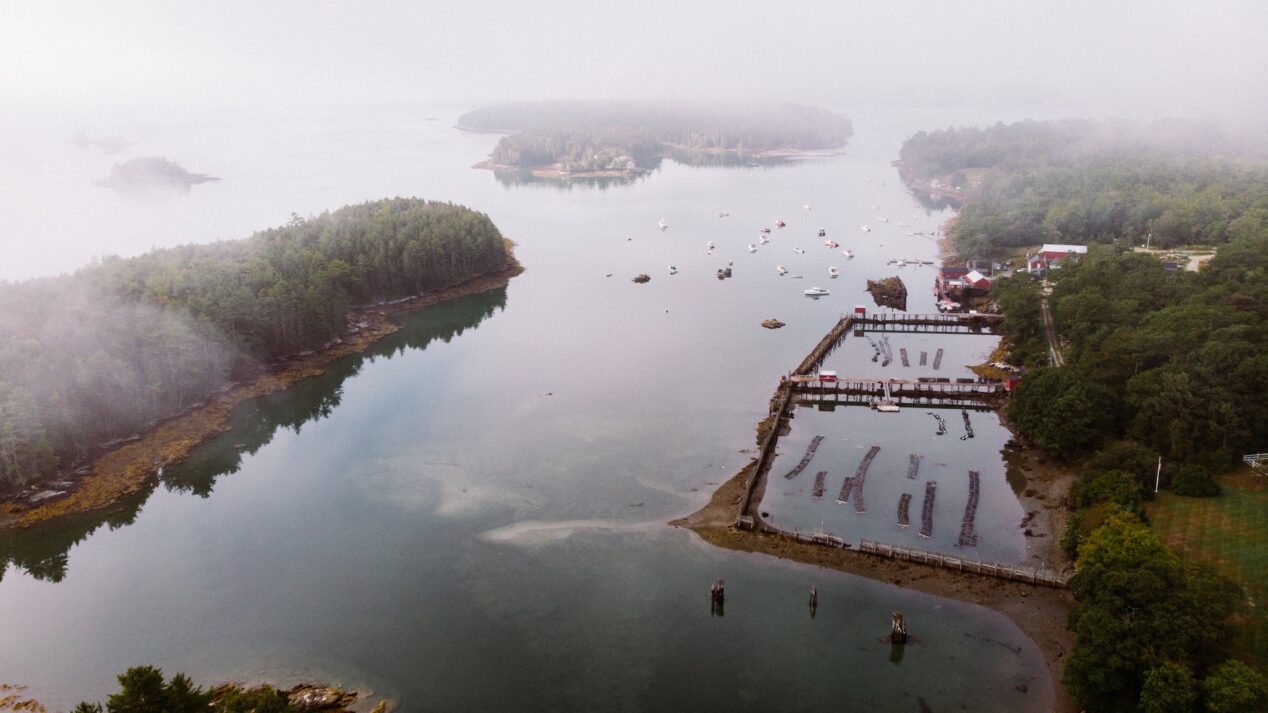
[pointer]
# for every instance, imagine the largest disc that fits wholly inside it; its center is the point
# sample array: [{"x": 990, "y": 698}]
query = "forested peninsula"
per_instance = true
[
  {"x": 624, "y": 138},
  {"x": 91, "y": 360},
  {"x": 1089, "y": 182},
  {"x": 1158, "y": 363}
]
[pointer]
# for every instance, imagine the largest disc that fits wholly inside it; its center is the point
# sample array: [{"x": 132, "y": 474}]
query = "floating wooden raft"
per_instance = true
[
  {"x": 805, "y": 460},
  {"x": 904, "y": 504},
  {"x": 968, "y": 536},
  {"x": 926, "y": 511},
  {"x": 913, "y": 465},
  {"x": 937, "y": 359},
  {"x": 820, "y": 477},
  {"x": 902, "y": 353},
  {"x": 924, "y": 358},
  {"x": 855, "y": 484}
]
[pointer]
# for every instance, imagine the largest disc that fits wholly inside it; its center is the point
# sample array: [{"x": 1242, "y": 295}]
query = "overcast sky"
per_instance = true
[{"x": 1133, "y": 56}]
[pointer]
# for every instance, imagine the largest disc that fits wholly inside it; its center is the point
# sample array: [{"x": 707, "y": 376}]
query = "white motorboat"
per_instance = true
[
  {"x": 816, "y": 292},
  {"x": 823, "y": 232},
  {"x": 765, "y": 230},
  {"x": 711, "y": 245},
  {"x": 883, "y": 220},
  {"x": 806, "y": 206},
  {"x": 886, "y": 407},
  {"x": 865, "y": 229},
  {"x": 724, "y": 214},
  {"x": 831, "y": 244},
  {"x": 834, "y": 272},
  {"x": 799, "y": 251},
  {"x": 763, "y": 240},
  {"x": 752, "y": 248},
  {"x": 673, "y": 270},
  {"x": 662, "y": 224},
  {"x": 782, "y": 270},
  {"x": 901, "y": 262},
  {"x": 849, "y": 254}
]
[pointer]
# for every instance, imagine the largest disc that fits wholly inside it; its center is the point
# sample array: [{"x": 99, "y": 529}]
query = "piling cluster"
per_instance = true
[
  {"x": 805, "y": 460},
  {"x": 968, "y": 536}
]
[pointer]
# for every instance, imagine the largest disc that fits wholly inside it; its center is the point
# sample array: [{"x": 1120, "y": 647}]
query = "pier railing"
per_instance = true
[{"x": 1017, "y": 573}]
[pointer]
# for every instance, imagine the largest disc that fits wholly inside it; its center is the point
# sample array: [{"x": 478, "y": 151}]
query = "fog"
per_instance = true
[{"x": 144, "y": 71}]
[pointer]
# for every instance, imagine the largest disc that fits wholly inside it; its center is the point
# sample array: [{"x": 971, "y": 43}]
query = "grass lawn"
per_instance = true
[{"x": 1231, "y": 533}]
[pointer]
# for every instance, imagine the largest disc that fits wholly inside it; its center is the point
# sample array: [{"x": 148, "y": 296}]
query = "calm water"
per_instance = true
[{"x": 472, "y": 516}]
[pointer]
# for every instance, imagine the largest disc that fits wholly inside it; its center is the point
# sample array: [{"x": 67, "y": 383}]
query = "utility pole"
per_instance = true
[{"x": 1158, "y": 475}]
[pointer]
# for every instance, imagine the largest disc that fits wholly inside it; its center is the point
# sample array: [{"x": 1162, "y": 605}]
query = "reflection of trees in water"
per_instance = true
[{"x": 43, "y": 550}]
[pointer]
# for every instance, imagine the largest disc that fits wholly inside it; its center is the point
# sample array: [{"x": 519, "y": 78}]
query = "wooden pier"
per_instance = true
[
  {"x": 1017, "y": 573},
  {"x": 943, "y": 323},
  {"x": 904, "y": 392}
]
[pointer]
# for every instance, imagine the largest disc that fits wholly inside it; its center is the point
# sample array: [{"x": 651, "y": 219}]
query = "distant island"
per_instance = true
[
  {"x": 96, "y": 366},
  {"x": 151, "y": 173},
  {"x": 606, "y": 139}
]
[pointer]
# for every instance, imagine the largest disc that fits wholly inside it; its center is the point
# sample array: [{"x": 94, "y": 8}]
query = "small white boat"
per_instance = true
[
  {"x": 834, "y": 272},
  {"x": 799, "y": 251},
  {"x": 806, "y": 206},
  {"x": 848, "y": 254},
  {"x": 779, "y": 224},
  {"x": 752, "y": 248},
  {"x": 822, "y": 232},
  {"x": 765, "y": 230},
  {"x": 883, "y": 220},
  {"x": 831, "y": 244},
  {"x": 724, "y": 214},
  {"x": 763, "y": 240},
  {"x": 782, "y": 270},
  {"x": 901, "y": 262},
  {"x": 816, "y": 292},
  {"x": 711, "y": 245},
  {"x": 673, "y": 270},
  {"x": 662, "y": 224},
  {"x": 865, "y": 229},
  {"x": 886, "y": 407}
]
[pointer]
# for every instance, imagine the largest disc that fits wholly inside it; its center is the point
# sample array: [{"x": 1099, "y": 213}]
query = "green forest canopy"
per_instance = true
[
  {"x": 1087, "y": 182},
  {"x": 119, "y": 345},
  {"x": 626, "y": 134}
]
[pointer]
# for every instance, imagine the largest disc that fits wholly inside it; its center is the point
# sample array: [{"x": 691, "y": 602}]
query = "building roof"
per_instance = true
[
  {"x": 1062, "y": 249},
  {"x": 975, "y": 277}
]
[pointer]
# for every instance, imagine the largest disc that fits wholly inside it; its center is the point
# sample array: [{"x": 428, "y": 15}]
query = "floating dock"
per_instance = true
[
  {"x": 968, "y": 536},
  {"x": 805, "y": 460},
  {"x": 854, "y": 485},
  {"x": 937, "y": 359},
  {"x": 904, "y": 504},
  {"x": 926, "y": 510},
  {"x": 820, "y": 479},
  {"x": 913, "y": 465}
]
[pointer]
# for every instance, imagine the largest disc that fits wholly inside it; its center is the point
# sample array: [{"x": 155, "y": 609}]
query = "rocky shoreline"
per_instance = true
[{"x": 129, "y": 467}]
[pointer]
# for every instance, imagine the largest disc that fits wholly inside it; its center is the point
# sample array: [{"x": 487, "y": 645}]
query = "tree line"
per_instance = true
[
  {"x": 1157, "y": 363},
  {"x": 625, "y": 134},
  {"x": 119, "y": 345},
  {"x": 1089, "y": 182}
]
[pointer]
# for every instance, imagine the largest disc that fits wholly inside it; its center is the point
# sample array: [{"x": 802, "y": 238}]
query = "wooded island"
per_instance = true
[
  {"x": 623, "y": 138},
  {"x": 91, "y": 358}
]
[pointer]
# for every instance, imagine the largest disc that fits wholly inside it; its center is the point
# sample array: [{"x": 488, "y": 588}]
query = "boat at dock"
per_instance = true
[{"x": 885, "y": 407}]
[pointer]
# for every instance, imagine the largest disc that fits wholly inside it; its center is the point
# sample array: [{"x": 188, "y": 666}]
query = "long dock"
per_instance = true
[
  {"x": 1045, "y": 577},
  {"x": 805, "y": 460},
  {"x": 926, "y": 509},
  {"x": 968, "y": 535}
]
